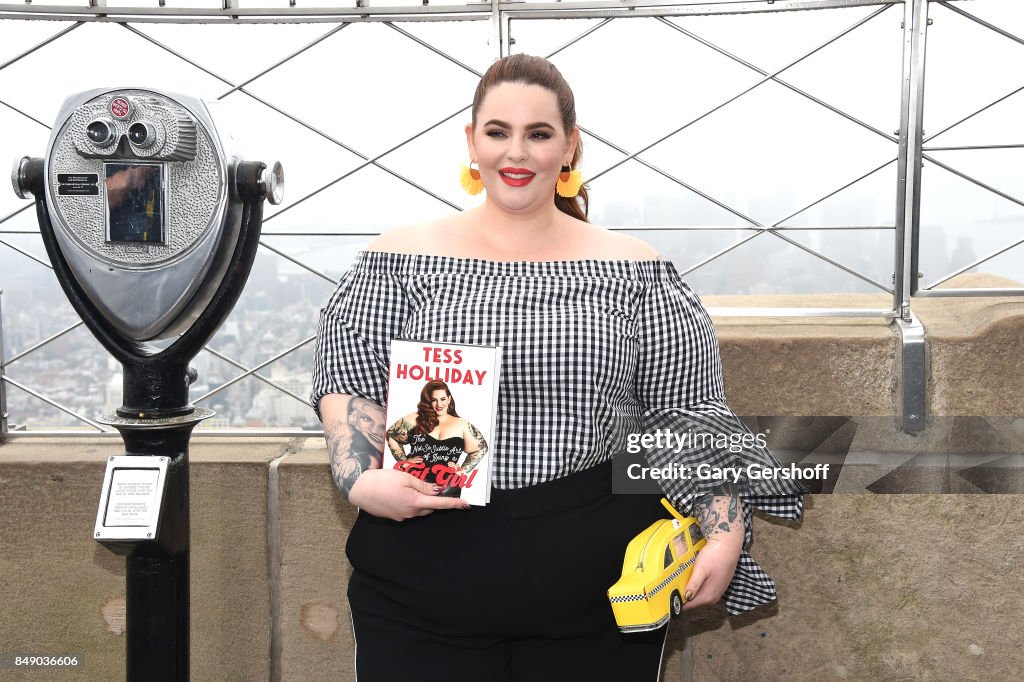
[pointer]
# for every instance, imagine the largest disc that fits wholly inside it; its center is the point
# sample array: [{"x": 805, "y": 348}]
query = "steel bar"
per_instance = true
[
  {"x": 665, "y": 174},
  {"x": 713, "y": 8},
  {"x": 942, "y": 293},
  {"x": 786, "y": 84},
  {"x": 834, "y": 192},
  {"x": 499, "y": 31},
  {"x": 292, "y": 259},
  {"x": 974, "y": 113},
  {"x": 42, "y": 343},
  {"x": 575, "y": 40},
  {"x": 978, "y": 20},
  {"x": 722, "y": 228},
  {"x": 908, "y": 188},
  {"x": 286, "y": 59},
  {"x": 830, "y": 261},
  {"x": 25, "y": 253},
  {"x": 55, "y": 36},
  {"x": 50, "y": 401},
  {"x": 545, "y": 10},
  {"x": 258, "y": 367},
  {"x": 334, "y": 13},
  {"x": 439, "y": 52},
  {"x": 971, "y": 147},
  {"x": 911, "y": 372},
  {"x": 799, "y": 312},
  {"x": 974, "y": 264},
  {"x": 721, "y": 253},
  {"x": 25, "y": 114},
  {"x": 11, "y": 215},
  {"x": 257, "y": 375},
  {"x": 230, "y": 20},
  {"x": 979, "y": 183},
  {"x": 283, "y": 233}
]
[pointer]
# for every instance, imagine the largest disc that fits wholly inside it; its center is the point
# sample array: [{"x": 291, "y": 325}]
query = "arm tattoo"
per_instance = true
[
  {"x": 345, "y": 467},
  {"x": 398, "y": 436},
  {"x": 349, "y": 450},
  {"x": 473, "y": 457},
  {"x": 718, "y": 512}
]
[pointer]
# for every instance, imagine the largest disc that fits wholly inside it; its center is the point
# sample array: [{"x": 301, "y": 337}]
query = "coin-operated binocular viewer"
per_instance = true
[{"x": 152, "y": 225}]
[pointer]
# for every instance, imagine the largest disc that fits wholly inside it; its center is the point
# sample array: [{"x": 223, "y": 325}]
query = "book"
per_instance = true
[{"x": 441, "y": 414}]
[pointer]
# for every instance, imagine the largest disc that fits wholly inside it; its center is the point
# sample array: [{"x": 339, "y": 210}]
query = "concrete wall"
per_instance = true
[{"x": 870, "y": 586}]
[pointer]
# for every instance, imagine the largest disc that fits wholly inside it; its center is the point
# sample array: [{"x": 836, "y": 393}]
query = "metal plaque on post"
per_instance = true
[{"x": 133, "y": 492}]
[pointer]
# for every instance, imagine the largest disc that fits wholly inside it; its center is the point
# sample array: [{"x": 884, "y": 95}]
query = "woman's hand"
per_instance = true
[
  {"x": 713, "y": 569},
  {"x": 721, "y": 522},
  {"x": 397, "y": 495}
]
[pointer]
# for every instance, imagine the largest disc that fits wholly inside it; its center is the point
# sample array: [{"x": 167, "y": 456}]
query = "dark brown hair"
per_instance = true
[
  {"x": 426, "y": 420},
  {"x": 530, "y": 70}
]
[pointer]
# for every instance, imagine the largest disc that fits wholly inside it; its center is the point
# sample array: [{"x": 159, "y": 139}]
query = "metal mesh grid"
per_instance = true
[{"x": 251, "y": 352}]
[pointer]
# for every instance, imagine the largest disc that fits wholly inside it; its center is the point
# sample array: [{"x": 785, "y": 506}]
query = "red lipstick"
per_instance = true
[{"x": 516, "y": 182}]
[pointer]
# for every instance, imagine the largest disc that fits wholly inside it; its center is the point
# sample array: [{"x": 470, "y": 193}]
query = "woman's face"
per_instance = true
[
  {"x": 520, "y": 145},
  {"x": 439, "y": 401}
]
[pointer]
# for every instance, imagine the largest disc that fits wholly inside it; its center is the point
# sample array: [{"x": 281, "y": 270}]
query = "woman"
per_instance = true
[
  {"x": 600, "y": 339},
  {"x": 437, "y": 435}
]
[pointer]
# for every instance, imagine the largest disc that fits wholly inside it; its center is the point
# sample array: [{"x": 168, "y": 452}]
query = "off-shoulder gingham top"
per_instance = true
[{"x": 592, "y": 350}]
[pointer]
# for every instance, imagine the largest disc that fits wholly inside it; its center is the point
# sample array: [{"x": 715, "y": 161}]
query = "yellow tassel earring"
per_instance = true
[
  {"x": 470, "y": 179},
  {"x": 569, "y": 182}
]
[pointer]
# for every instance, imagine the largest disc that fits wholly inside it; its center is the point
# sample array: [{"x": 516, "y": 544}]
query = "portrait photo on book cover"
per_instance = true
[
  {"x": 436, "y": 444},
  {"x": 440, "y": 415}
]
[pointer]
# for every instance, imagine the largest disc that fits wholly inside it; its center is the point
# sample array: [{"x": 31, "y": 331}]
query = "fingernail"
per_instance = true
[
  {"x": 438, "y": 488},
  {"x": 688, "y": 595}
]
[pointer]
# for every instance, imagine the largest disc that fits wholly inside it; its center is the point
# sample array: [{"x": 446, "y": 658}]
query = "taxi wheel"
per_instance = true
[{"x": 676, "y": 603}]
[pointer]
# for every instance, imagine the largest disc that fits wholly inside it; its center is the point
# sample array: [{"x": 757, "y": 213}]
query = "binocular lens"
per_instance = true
[
  {"x": 138, "y": 133},
  {"x": 100, "y": 132}
]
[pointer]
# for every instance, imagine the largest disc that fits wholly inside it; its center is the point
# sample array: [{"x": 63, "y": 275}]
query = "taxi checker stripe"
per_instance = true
[
  {"x": 675, "y": 574},
  {"x": 658, "y": 588}
]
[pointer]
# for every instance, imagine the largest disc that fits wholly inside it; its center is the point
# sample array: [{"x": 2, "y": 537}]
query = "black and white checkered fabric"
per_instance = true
[{"x": 592, "y": 351}]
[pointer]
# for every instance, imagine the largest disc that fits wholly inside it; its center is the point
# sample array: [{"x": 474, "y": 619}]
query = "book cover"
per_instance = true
[{"x": 441, "y": 412}]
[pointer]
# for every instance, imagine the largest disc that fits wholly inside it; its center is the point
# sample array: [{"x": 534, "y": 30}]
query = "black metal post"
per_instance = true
[{"x": 157, "y": 573}]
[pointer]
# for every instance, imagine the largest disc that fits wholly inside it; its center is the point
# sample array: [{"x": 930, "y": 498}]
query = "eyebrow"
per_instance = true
[{"x": 532, "y": 126}]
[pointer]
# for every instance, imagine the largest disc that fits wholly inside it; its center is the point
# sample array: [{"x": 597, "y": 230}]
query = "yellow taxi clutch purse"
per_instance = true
[{"x": 655, "y": 571}]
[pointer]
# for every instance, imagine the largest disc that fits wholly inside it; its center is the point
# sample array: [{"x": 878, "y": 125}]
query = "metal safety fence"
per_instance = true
[{"x": 702, "y": 127}]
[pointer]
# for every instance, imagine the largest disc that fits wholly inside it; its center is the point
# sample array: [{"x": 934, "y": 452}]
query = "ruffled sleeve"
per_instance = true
[
  {"x": 679, "y": 385},
  {"x": 366, "y": 311}
]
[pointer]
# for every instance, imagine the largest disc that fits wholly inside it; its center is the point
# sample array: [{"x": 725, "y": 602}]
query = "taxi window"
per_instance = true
[
  {"x": 679, "y": 544},
  {"x": 668, "y": 557},
  {"x": 695, "y": 534}
]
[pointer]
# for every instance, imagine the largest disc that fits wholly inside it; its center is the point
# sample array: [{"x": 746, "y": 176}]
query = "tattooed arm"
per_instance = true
[
  {"x": 352, "y": 437},
  {"x": 398, "y": 437},
  {"x": 475, "y": 447},
  {"x": 720, "y": 515}
]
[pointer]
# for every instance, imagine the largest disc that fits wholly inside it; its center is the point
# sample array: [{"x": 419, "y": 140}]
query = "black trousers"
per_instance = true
[{"x": 514, "y": 591}]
